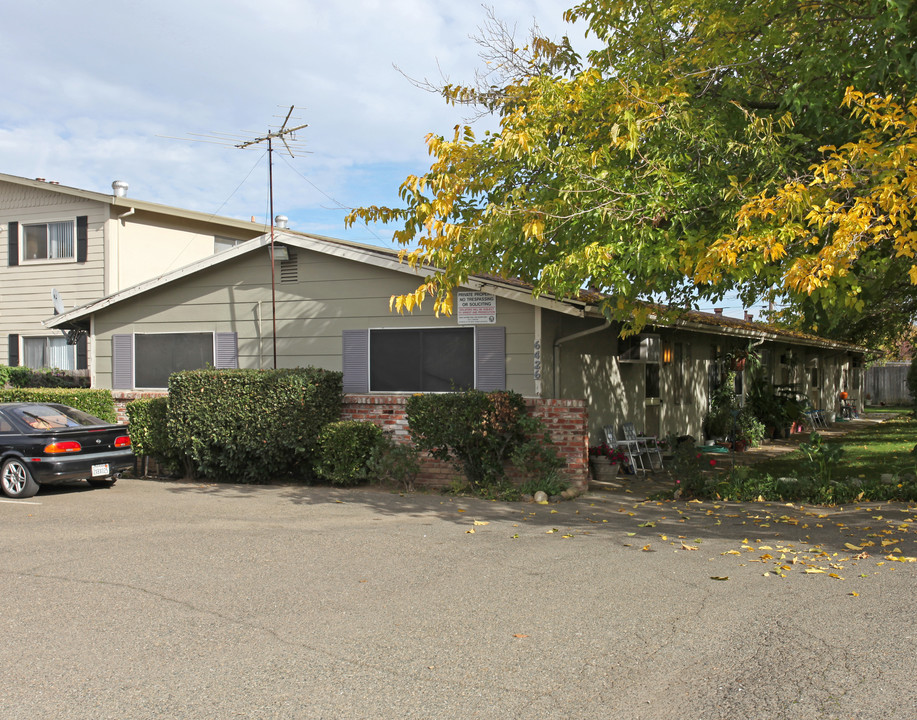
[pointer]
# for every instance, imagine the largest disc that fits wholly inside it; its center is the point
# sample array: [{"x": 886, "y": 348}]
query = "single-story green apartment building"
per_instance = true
[{"x": 325, "y": 302}]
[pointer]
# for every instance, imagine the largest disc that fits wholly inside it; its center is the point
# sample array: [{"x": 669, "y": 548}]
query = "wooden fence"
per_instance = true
[{"x": 887, "y": 384}]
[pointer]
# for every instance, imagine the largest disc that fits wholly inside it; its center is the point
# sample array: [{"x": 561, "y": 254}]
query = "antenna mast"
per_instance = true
[{"x": 282, "y": 135}]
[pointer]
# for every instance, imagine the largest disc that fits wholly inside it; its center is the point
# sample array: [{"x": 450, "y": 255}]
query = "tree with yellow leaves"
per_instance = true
[{"x": 654, "y": 169}]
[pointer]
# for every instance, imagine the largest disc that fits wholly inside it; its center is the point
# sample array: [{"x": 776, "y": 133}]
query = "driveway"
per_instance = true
[{"x": 182, "y": 600}]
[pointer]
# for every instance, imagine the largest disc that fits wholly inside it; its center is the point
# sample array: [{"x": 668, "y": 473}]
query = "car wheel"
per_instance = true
[
  {"x": 105, "y": 482},
  {"x": 16, "y": 480}
]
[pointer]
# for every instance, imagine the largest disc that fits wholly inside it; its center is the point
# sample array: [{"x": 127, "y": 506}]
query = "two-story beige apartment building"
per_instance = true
[{"x": 85, "y": 245}]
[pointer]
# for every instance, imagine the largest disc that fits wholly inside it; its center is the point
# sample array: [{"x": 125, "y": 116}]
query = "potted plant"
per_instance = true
[
  {"x": 605, "y": 461},
  {"x": 749, "y": 429}
]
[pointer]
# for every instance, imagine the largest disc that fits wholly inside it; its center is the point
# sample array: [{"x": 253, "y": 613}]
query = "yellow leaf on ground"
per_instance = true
[
  {"x": 481, "y": 522},
  {"x": 851, "y": 546},
  {"x": 470, "y": 532},
  {"x": 813, "y": 571}
]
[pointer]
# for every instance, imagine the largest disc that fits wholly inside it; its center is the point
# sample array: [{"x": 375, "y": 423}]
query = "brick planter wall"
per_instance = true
[
  {"x": 565, "y": 421},
  {"x": 123, "y": 398}
]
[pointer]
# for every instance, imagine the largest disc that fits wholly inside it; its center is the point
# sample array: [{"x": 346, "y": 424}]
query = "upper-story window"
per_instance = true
[{"x": 48, "y": 241}]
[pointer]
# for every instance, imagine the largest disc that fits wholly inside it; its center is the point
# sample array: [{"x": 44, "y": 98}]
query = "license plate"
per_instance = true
[{"x": 99, "y": 470}]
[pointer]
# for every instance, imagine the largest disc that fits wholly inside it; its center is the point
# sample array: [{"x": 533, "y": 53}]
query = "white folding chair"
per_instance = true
[
  {"x": 630, "y": 448},
  {"x": 646, "y": 445}
]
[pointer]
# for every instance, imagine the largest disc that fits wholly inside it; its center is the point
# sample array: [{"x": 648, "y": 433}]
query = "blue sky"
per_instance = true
[{"x": 96, "y": 90}]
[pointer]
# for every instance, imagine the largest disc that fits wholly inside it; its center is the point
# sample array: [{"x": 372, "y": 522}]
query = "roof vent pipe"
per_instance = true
[
  {"x": 119, "y": 188},
  {"x": 281, "y": 221}
]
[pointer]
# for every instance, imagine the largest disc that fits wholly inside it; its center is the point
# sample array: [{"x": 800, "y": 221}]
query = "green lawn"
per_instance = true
[
  {"x": 868, "y": 453},
  {"x": 888, "y": 409}
]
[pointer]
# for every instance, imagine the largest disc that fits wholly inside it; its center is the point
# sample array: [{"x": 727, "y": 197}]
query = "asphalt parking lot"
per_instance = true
[{"x": 163, "y": 599}]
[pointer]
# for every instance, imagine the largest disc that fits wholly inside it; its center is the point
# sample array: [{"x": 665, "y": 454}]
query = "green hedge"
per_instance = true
[
  {"x": 19, "y": 376},
  {"x": 251, "y": 425},
  {"x": 345, "y": 450},
  {"x": 148, "y": 427},
  {"x": 95, "y": 402},
  {"x": 476, "y": 431}
]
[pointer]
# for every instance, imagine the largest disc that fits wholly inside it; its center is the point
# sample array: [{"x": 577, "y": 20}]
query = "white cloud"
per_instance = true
[{"x": 90, "y": 88}]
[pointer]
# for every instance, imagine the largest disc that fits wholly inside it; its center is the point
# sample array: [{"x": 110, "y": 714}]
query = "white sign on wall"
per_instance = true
[{"x": 476, "y": 308}]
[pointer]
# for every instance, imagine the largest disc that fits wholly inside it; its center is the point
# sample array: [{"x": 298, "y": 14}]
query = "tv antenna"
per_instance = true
[
  {"x": 282, "y": 134},
  {"x": 287, "y": 136}
]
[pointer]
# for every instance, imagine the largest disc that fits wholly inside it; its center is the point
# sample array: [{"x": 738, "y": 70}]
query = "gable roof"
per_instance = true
[
  {"x": 369, "y": 254},
  {"x": 130, "y": 203},
  {"x": 584, "y": 306}
]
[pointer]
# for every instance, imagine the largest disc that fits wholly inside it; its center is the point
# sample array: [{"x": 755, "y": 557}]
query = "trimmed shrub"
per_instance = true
[
  {"x": 395, "y": 463},
  {"x": 23, "y": 377},
  {"x": 474, "y": 430},
  {"x": 345, "y": 450},
  {"x": 148, "y": 428},
  {"x": 95, "y": 402},
  {"x": 535, "y": 457},
  {"x": 251, "y": 425}
]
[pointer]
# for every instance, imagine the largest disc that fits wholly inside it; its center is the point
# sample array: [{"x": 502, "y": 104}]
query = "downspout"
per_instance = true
[
  {"x": 260, "y": 336},
  {"x": 567, "y": 338}
]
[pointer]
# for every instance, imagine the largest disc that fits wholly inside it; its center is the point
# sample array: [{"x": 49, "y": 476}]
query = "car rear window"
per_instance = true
[{"x": 52, "y": 417}]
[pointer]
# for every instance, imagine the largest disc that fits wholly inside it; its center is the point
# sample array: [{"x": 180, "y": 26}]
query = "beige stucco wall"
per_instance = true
[
  {"x": 144, "y": 245},
  {"x": 331, "y": 295}
]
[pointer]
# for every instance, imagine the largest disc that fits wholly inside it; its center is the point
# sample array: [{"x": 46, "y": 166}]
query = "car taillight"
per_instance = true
[
  {"x": 63, "y": 447},
  {"x": 123, "y": 441}
]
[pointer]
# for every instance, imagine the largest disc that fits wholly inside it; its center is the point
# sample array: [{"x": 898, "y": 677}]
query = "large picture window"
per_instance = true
[
  {"x": 145, "y": 360},
  {"x": 48, "y": 241},
  {"x": 156, "y": 356},
  {"x": 421, "y": 360}
]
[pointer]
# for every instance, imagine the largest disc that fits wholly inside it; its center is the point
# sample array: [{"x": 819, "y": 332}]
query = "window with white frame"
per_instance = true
[
  {"x": 48, "y": 241},
  {"x": 221, "y": 243},
  {"x": 421, "y": 359},
  {"x": 48, "y": 352},
  {"x": 424, "y": 359},
  {"x": 158, "y": 355},
  {"x": 145, "y": 360}
]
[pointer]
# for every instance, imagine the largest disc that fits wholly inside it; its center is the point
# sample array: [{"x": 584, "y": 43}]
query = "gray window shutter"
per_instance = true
[
  {"x": 82, "y": 352},
  {"x": 490, "y": 358},
  {"x": 355, "y": 360},
  {"x": 13, "y": 359},
  {"x": 12, "y": 255},
  {"x": 122, "y": 362},
  {"x": 82, "y": 238},
  {"x": 227, "y": 351}
]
